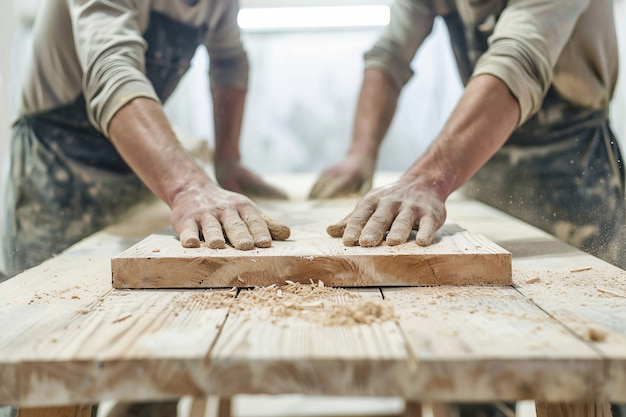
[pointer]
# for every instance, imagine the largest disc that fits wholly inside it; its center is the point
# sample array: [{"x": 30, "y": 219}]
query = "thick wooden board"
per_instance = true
[{"x": 457, "y": 257}]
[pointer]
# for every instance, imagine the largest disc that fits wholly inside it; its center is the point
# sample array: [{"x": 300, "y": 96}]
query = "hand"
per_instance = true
[
  {"x": 353, "y": 175},
  {"x": 235, "y": 177},
  {"x": 218, "y": 213},
  {"x": 398, "y": 209}
]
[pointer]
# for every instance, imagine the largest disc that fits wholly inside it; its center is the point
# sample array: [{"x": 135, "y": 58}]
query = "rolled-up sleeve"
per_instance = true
[
  {"x": 410, "y": 23},
  {"x": 525, "y": 46},
  {"x": 228, "y": 60},
  {"x": 111, "y": 51}
]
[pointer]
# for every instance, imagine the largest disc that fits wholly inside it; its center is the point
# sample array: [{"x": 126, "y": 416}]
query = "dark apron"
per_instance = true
[
  {"x": 562, "y": 171},
  {"x": 67, "y": 180}
]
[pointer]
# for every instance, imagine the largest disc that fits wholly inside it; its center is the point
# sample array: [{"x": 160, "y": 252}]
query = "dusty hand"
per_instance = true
[
  {"x": 397, "y": 209},
  {"x": 217, "y": 214},
  {"x": 353, "y": 175},
  {"x": 235, "y": 177}
]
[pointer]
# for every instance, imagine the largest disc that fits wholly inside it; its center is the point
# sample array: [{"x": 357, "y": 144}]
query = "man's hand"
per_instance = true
[
  {"x": 235, "y": 177},
  {"x": 216, "y": 214},
  {"x": 394, "y": 210},
  {"x": 352, "y": 176}
]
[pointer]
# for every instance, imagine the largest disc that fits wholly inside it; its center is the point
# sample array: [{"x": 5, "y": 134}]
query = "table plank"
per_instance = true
[
  {"x": 579, "y": 290},
  {"x": 261, "y": 350},
  {"x": 126, "y": 346},
  {"x": 490, "y": 343}
]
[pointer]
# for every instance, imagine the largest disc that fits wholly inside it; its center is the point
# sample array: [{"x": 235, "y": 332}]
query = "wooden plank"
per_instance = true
[
  {"x": 490, "y": 343},
  {"x": 265, "y": 350},
  {"x": 456, "y": 258},
  {"x": 143, "y": 345},
  {"x": 574, "y": 410},
  {"x": 77, "y": 411},
  {"x": 584, "y": 293}
]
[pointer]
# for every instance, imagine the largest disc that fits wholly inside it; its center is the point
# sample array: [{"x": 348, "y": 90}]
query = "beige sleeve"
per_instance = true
[
  {"x": 411, "y": 21},
  {"x": 228, "y": 59},
  {"x": 111, "y": 50},
  {"x": 525, "y": 46}
]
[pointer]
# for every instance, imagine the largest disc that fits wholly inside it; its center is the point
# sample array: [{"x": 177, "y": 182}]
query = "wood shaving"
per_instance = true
[
  {"x": 533, "y": 280},
  {"x": 584, "y": 268},
  {"x": 611, "y": 292},
  {"x": 316, "y": 303}
]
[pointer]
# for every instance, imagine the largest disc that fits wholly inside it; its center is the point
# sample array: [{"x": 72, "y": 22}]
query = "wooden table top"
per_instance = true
[{"x": 557, "y": 334}]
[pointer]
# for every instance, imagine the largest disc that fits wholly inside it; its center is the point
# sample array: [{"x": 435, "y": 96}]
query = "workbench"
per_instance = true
[{"x": 556, "y": 336}]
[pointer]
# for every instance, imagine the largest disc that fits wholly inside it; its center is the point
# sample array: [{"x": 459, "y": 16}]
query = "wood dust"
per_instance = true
[{"x": 315, "y": 303}]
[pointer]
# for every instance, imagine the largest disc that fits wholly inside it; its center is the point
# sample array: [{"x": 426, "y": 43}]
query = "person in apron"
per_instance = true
[
  {"x": 67, "y": 180},
  {"x": 560, "y": 169}
]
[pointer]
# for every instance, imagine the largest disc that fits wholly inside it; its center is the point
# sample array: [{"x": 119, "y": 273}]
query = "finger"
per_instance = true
[
  {"x": 213, "y": 233},
  {"x": 374, "y": 231},
  {"x": 337, "y": 229},
  {"x": 357, "y": 221},
  {"x": 237, "y": 231},
  {"x": 278, "y": 230},
  {"x": 257, "y": 227},
  {"x": 189, "y": 237},
  {"x": 401, "y": 228},
  {"x": 324, "y": 188},
  {"x": 426, "y": 231}
]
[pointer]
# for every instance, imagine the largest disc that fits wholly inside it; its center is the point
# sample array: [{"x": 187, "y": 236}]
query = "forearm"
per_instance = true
[
  {"x": 481, "y": 123},
  {"x": 375, "y": 110},
  {"x": 228, "y": 108},
  {"x": 143, "y": 136}
]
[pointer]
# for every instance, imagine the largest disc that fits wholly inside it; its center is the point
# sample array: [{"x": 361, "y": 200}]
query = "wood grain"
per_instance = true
[
  {"x": 581, "y": 291},
  {"x": 490, "y": 343},
  {"x": 456, "y": 258},
  {"x": 257, "y": 353}
]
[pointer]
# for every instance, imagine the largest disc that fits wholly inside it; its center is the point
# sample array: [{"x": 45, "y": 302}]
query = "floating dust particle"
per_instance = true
[
  {"x": 532, "y": 280},
  {"x": 314, "y": 303}
]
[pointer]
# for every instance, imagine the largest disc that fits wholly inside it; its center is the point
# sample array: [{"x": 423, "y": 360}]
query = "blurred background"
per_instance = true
[{"x": 306, "y": 68}]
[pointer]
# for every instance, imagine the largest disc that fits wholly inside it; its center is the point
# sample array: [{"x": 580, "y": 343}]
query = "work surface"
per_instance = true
[{"x": 557, "y": 334}]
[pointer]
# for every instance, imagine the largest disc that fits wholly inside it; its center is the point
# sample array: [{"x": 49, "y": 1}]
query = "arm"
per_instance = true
[
  {"x": 229, "y": 83},
  {"x": 123, "y": 105},
  {"x": 228, "y": 107},
  {"x": 482, "y": 121},
  {"x": 376, "y": 107},
  {"x": 387, "y": 70},
  {"x": 141, "y": 133},
  {"x": 507, "y": 87}
]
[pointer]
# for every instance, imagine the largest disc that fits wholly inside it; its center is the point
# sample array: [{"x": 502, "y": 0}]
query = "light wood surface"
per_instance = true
[
  {"x": 456, "y": 257},
  {"x": 68, "y": 337}
]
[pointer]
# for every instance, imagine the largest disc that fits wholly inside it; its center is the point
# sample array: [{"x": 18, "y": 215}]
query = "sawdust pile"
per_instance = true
[{"x": 314, "y": 303}]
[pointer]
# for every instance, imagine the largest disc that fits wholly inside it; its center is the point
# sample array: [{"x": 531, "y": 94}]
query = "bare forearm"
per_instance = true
[
  {"x": 481, "y": 123},
  {"x": 228, "y": 108},
  {"x": 375, "y": 110},
  {"x": 142, "y": 135}
]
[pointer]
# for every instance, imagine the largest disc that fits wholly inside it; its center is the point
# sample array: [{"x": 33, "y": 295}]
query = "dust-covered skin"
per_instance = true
[
  {"x": 235, "y": 177},
  {"x": 351, "y": 176}
]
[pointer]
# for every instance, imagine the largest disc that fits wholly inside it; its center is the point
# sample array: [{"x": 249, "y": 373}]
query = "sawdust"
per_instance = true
[{"x": 316, "y": 303}]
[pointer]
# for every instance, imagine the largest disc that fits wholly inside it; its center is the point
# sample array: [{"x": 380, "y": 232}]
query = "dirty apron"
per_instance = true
[
  {"x": 67, "y": 180},
  {"x": 562, "y": 171}
]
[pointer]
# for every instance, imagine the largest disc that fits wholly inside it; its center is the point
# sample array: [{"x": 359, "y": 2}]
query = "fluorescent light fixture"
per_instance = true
[{"x": 272, "y": 18}]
